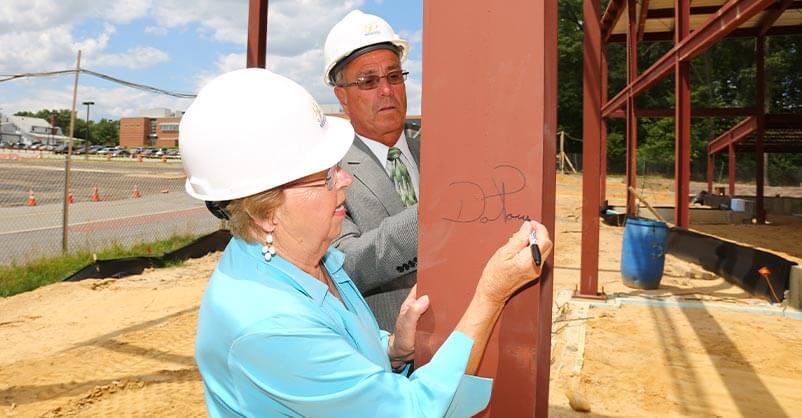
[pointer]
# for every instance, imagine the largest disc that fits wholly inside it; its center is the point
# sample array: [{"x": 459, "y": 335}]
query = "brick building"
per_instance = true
[{"x": 156, "y": 128}]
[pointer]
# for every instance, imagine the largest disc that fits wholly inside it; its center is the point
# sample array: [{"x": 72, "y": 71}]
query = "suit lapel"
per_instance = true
[
  {"x": 364, "y": 167},
  {"x": 414, "y": 148}
]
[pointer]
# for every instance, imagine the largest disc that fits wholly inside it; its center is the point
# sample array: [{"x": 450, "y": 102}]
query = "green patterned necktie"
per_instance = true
[{"x": 401, "y": 178}]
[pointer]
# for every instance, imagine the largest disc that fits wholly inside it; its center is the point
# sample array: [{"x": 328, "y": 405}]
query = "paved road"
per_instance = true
[{"x": 28, "y": 232}]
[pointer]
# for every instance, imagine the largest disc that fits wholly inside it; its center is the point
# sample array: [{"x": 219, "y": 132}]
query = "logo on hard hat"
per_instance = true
[
  {"x": 371, "y": 28},
  {"x": 319, "y": 116}
]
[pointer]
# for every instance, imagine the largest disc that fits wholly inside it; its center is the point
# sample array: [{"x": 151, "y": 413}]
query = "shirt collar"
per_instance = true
[
  {"x": 333, "y": 261},
  {"x": 380, "y": 150}
]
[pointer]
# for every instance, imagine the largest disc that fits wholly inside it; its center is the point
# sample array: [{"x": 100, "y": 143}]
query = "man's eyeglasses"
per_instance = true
[
  {"x": 371, "y": 81},
  {"x": 330, "y": 181}
]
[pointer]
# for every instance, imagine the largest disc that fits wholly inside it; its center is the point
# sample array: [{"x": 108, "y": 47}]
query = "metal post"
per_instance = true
[
  {"x": 731, "y": 172},
  {"x": 760, "y": 67},
  {"x": 682, "y": 118},
  {"x": 66, "y": 211},
  {"x": 463, "y": 197},
  {"x": 603, "y": 138},
  {"x": 591, "y": 149},
  {"x": 632, "y": 119},
  {"x": 562, "y": 152},
  {"x": 710, "y": 167},
  {"x": 257, "y": 33}
]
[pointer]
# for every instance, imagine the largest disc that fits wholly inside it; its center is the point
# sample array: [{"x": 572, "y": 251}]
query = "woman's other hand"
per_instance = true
[
  {"x": 512, "y": 265},
  {"x": 401, "y": 347}
]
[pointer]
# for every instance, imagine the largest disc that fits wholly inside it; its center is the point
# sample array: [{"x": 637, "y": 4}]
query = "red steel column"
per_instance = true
[
  {"x": 257, "y": 33},
  {"x": 682, "y": 121},
  {"x": 711, "y": 161},
  {"x": 603, "y": 144},
  {"x": 632, "y": 119},
  {"x": 731, "y": 170},
  {"x": 760, "y": 67},
  {"x": 489, "y": 165},
  {"x": 591, "y": 137}
]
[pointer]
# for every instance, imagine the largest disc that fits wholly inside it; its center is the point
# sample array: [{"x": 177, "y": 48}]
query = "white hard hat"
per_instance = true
[
  {"x": 356, "y": 31},
  {"x": 251, "y": 130}
]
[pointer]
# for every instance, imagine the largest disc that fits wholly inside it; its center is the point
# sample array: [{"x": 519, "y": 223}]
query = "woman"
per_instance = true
[{"x": 282, "y": 330}]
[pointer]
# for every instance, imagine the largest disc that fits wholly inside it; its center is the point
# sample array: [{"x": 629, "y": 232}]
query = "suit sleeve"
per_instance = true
[
  {"x": 313, "y": 372},
  {"x": 382, "y": 254}
]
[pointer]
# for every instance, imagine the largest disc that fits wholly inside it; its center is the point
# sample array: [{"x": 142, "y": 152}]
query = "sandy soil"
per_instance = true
[{"x": 124, "y": 347}]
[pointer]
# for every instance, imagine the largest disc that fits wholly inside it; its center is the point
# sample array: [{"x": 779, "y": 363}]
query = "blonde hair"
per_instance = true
[{"x": 244, "y": 213}]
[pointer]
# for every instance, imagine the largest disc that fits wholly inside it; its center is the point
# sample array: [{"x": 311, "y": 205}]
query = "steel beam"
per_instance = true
[
  {"x": 642, "y": 16},
  {"x": 475, "y": 186},
  {"x": 772, "y": 15},
  {"x": 682, "y": 118},
  {"x": 591, "y": 134},
  {"x": 737, "y": 33},
  {"x": 760, "y": 102},
  {"x": 257, "y": 33},
  {"x": 695, "y": 112},
  {"x": 711, "y": 165},
  {"x": 736, "y": 134},
  {"x": 632, "y": 119},
  {"x": 728, "y": 18},
  {"x": 731, "y": 168},
  {"x": 603, "y": 138},
  {"x": 612, "y": 14}
]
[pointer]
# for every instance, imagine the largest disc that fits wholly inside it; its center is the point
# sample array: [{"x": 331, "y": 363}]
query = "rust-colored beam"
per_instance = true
[
  {"x": 760, "y": 102},
  {"x": 257, "y": 33},
  {"x": 603, "y": 137},
  {"x": 728, "y": 18},
  {"x": 737, "y": 33},
  {"x": 612, "y": 14},
  {"x": 772, "y": 15},
  {"x": 642, "y": 16},
  {"x": 731, "y": 167},
  {"x": 682, "y": 118},
  {"x": 697, "y": 112},
  {"x": 631, "y": 119},
  {"x": 464, "y": 197},
  {"x": 736, "y": 134},
  {"x": 711, "y": 165},
  {"x": 592, "y": 126}
]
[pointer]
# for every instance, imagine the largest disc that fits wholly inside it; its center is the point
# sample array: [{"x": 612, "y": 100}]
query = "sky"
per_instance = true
[{"x": 175, "y": 45}]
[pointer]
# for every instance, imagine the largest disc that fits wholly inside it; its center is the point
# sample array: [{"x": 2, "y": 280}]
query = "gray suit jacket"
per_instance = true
[{"x": 379, "y": 236}]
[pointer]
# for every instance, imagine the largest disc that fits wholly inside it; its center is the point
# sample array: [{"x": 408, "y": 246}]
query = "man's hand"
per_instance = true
[{"x": 401, "y": 347}]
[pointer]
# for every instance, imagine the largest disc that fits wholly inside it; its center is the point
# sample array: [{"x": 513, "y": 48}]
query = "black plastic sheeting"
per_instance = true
[
  {"x": 121, "y": 267},
  {"x": 735, "y": 263}
]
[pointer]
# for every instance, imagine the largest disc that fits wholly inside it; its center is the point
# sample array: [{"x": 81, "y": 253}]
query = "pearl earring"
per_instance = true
[{"x": 269, "y": 250}]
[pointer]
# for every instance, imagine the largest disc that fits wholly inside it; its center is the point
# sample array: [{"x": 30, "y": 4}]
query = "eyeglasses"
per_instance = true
[
  {"x": 371, "y": 81},
  {"x": 330, "y": 181}
]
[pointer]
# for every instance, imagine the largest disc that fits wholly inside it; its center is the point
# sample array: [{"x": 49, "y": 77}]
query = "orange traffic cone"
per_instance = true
[
  {"x": 135, "y": 194},
  {"x": 164, "y": 158},
  {"x": 70, "y": 198},
  {"x": 31, "y": 199},
  {"x": 95, "y": 195},
  {"x": 139, "y": 157}
]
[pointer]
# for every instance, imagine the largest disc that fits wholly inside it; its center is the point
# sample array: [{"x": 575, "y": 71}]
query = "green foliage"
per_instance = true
[
  {"x": 31, "y": 275},
  {"x": 103, "y": 132}
]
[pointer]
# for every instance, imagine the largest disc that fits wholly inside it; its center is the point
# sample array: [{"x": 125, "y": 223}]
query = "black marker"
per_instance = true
[{"x": 535, "y": 248}]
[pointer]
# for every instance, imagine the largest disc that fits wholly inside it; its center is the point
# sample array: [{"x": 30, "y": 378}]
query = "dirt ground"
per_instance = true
[{"x": 695, "y": 347}]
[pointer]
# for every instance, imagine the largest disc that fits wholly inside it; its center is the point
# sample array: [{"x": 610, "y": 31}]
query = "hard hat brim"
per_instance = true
[{"x": 401, "y": 48}]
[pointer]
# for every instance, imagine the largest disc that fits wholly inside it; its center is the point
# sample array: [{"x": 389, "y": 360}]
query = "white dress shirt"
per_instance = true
[{"x": 380, "y": 151}]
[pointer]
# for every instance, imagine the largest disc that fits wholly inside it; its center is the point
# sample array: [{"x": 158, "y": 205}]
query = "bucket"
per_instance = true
[
  {"x": 737, "y": 205},
  {"x": 643, "y": 253}
]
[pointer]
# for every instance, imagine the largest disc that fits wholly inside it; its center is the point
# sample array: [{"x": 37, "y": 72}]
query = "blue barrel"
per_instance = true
[{"x": 643, "y": 253}]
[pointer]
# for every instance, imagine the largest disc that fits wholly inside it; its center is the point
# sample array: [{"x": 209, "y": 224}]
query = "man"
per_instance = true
[{"x": 380, "y": 233}]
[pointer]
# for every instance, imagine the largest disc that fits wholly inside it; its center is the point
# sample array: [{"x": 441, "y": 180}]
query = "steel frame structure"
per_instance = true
[{"x": 724, "y": 21}]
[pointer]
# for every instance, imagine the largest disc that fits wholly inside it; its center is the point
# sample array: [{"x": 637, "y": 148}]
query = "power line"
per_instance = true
[{"x": 138, "y": 86}]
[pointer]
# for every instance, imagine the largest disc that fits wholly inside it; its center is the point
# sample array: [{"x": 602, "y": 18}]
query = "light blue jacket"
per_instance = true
[{"x": 273, "y": 342}]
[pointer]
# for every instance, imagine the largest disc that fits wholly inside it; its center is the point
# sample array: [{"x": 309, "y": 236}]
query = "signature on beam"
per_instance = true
[{"x": 477, "y": 205}]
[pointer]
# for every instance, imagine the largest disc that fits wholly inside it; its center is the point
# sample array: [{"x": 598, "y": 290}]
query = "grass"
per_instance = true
[{"x": 16, "y": 279}]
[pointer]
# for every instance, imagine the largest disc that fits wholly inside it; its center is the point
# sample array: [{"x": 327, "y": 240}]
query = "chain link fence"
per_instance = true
[{"x": 113, "y": 200}]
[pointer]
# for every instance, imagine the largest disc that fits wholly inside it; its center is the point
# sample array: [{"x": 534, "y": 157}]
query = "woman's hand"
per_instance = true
[
  {"x": 401, "y": 347},
  {"x": 512, "y": 265}
]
